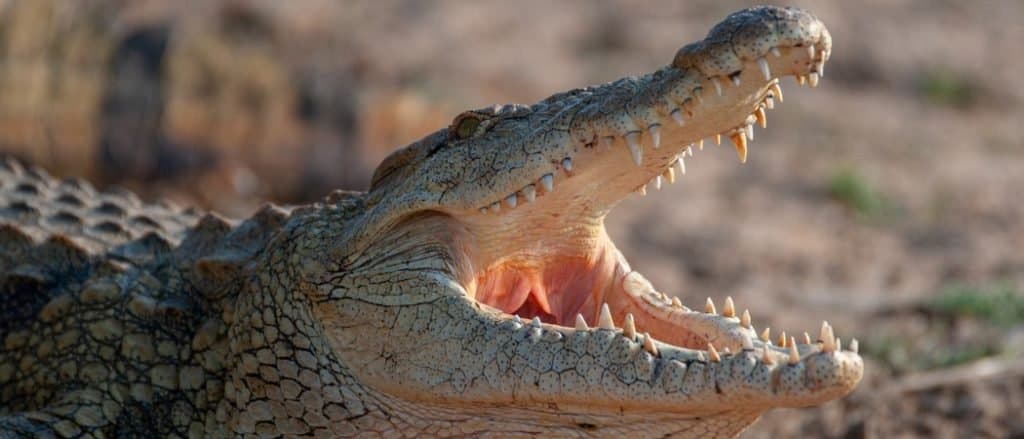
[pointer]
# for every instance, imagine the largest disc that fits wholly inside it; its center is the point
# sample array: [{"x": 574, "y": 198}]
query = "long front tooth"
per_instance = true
[
  {"x": 762, "y": 119},
  {"x": 581, "y": 323},
  {"x": 709, "y": 307},
  {"x": 655, "y": 132},
  {"x": 548, "y": 181},
  {"x": 820, "y": 68},
  {"x": 605, "y": 320},
  {"x": 749, "y": 130},
  {"x": 649, "y": 344},
  {"x": 669, "y": 174},
  {"x": 635, "y": 150},
  {"x": 765, "y": 70},
  {"x": 677, "y": 115},
  {"x": 567, "y": 164},
  {"x": 713, "y": 353},
  {"x": 729, "y": 310},
  {"x": 777, "y": 90},
  {"x": 530, "y": 193},
  {"x": 854, "y": 346},
  {"x": 739, "y": 140},
  {"x": 718, "y": 86},
  {"x": 629, "y": 327},
  {"x": 745, "y": 319},
  {"x": 766, "y": 335},
  {"x": 810, "y": 52},
  {"x": 657, "y": 182},
  {"x": 511, "y": 201},
  {"x": 812, "y": 79},
  {"x": 794, "y": 355},
  {"x": 828, "y": 338},
  {"x": 681, "y": 165}
]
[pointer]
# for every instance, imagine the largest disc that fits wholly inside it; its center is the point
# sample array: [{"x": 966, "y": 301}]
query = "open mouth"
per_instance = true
[{"x": 573, "y": 277}]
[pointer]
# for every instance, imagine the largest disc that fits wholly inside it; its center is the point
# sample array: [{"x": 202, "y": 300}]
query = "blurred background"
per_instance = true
[{"x": 887, "y": 200}]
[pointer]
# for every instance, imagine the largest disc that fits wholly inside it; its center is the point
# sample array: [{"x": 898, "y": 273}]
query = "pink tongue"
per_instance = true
[{"x": 508, "y": 290}]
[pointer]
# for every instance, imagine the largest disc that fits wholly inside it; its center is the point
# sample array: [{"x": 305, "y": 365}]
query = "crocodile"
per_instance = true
[{"x": 471, "y": 291}]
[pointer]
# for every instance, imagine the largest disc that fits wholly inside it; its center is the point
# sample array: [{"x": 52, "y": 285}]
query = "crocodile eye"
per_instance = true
[{"x": 466, "y": 125}]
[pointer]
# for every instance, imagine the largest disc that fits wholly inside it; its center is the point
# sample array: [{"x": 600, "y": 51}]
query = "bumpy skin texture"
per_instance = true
[{"x": 389, "y": 313}]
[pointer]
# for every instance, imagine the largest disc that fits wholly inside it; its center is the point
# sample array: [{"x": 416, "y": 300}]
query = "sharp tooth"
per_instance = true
[
  {"x": 718, "y": 139},
  {"x": 581, "y": 323},
  {"x": 669, "y": 174},
  {"x": 726, "y": 350},
  {"x": 530, "y": 193},
  {"x": 649, "y": 344},
  {"x": 794, "y": 355},
  {"x": 765, "y": 70},
  {"x": 854, "y": 346},
  {"x": 745, "y": 319},
  {"x": 801, "y": 79},
  {"x": 700, "y": 144},
  {"x": 657, "y": 182},
  {"x": 681, "y": 165},
  {"x": 567, "y": 164},
  {"x": 765, "y": 358},
  {"x": 496, "y": 207},
  {"x": 828, "y": 338},
  {"x": 535, "y": 322},
  {"x": 655, "y": 131},
  {"x": 607, "y": 141},
  {"x": 635, "y": 150},
  {"x": 783, "y": 339},
  {"x": 689, "y": 150},
  {"x": 663, "y": 296},
  {"x": 810, "y": 52},
  {"x": 762, "y": 120},
  {"x": 713, "y": 353},
  {"x": 729, "y": 310},
  {"x": 807, "y": 338},
  {"x": 483, "y": 210},
  {"x": 697, "y": 94},
  {"x": 605, "y": 320},
  {"x": 678, "y": 304},
  {"x": 511, "y": 201},
  {"x": 718, "y": 86},
  {"x": 775, "y": 51},
  {"x": 839, "y": 344},
  {"x": 629, "y": 327},
  {"x": 548, "y": 181},
  {"x": 750, "y": 131},
  {"x": 735, "y": 79},
  {"x": 777, "y": 91},
  {"x": 709, "y": 307},
  {"x": 766, "y": 335},
  {"x": 769, "y": 103},
  {"x": 748, "y": 344},
  {"x": 642, "y": 190},
  {"x": 678, "y": 117},
  {"x": 813, "y": 79},
  {"x": 739, "y": 140},
  {"x": 820, "y": 68},
  {"x": 517, "y": 319}
]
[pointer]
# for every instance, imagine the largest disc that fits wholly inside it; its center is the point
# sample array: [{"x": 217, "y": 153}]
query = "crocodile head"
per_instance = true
[{"x": 483, "y": 255}]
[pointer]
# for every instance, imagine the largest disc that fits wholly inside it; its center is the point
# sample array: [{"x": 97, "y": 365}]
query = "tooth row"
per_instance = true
[{"x": 739, "y": 136}]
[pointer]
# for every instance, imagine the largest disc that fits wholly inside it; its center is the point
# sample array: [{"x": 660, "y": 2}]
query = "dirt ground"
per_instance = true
[{"x": 887, "y": 200}]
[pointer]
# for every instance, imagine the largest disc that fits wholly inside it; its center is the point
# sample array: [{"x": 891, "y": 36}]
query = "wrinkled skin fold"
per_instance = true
[{"x": 472, "y": 291}]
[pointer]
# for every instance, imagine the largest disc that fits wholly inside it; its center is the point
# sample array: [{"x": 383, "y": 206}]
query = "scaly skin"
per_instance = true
[{"x": 455, "y": 298}]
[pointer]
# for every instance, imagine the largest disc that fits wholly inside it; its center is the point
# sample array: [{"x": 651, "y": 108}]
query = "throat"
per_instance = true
[{"x": 551, "y": 287}]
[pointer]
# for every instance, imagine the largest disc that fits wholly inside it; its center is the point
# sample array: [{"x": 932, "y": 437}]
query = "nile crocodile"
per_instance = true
[{"x": 472, "y": 291}]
